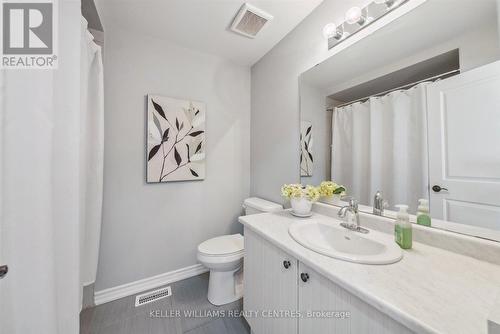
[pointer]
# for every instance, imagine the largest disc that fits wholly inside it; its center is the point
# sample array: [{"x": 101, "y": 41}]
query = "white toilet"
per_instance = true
[{"x": 224, "y": 257}]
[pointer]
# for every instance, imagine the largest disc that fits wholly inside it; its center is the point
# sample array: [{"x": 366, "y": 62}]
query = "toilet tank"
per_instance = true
[{"x": 255, "y": 205}]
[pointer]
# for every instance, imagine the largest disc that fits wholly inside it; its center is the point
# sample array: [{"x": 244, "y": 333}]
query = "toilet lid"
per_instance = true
[{"x": 224, "y": 245}]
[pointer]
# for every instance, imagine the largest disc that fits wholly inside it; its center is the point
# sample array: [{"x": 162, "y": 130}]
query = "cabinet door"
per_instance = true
[
  {"x": 269, "y": 286},
  {"x": 320, "y": 294}
]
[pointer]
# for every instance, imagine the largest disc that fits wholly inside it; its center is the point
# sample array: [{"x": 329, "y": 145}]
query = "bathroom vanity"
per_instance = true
[
  {"x": 452, "y": 288},
  {"x": 406, "y": 116}
]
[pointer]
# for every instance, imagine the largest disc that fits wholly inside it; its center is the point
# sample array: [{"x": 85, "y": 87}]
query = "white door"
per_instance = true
[
  {"x": 464, "y": 147},
  {"x": 270, "y": 286}
]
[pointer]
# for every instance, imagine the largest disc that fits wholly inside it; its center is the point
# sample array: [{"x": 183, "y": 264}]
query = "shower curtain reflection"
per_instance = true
[{"x": 381, "y": 144}]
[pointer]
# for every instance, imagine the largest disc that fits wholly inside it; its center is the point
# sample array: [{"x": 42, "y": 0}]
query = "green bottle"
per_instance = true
[
  {"x": 423, "y": 217},
  {"x": 403, "y": 228}
]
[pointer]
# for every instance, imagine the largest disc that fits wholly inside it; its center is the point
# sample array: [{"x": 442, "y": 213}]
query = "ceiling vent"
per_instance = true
[{"x": 250, "y": 20}]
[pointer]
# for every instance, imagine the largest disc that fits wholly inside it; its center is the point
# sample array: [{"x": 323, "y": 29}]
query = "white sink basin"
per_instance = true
[{"x": 335, "y": 241}]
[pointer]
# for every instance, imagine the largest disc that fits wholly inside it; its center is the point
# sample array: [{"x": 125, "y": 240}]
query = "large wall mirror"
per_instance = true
[{"x": 413, "y": 111}]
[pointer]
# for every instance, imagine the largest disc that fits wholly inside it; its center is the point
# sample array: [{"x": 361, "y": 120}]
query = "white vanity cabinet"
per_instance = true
[
  {"x": 319, "y": 293},
  {"x": 270, "y": 286}
]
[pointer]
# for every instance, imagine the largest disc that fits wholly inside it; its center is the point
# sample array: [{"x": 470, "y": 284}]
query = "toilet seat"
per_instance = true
[{"x": 224, "y": 246}]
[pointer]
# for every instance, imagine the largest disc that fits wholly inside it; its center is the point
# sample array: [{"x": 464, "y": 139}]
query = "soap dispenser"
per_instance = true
[
  {"x": 423, "y": 217},
  {"x": 403, "y": 228}
]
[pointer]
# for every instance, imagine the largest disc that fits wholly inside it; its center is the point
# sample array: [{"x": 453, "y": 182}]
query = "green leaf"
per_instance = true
[
  {"x": 188, "y": 155},
  {"x": 194, "y": 173},
  {"x": 339, "y": 190}
]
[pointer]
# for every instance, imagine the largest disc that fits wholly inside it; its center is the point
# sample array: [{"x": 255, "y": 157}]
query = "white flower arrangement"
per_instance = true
[
  {"x": 297, "y": 191},
  {"x": 325, "y": 189},
  {"x": 330, "y": 188},
  {"x": 302, "y": 198}
]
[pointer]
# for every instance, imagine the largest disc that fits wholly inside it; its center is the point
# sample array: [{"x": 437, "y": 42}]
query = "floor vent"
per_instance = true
[{"x": 152, "y": 296}]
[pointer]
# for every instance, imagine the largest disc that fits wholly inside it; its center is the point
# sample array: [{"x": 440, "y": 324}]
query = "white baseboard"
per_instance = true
[{"x": 149, "y": 283}]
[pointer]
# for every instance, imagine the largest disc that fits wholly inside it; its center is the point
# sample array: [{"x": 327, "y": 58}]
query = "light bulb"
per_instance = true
[
  {"x": 329, "y": 30},
  {"x": 355, "y": 15}
]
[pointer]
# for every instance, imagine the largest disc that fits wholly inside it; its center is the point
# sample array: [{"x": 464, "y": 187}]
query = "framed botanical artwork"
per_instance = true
[
  {"x": 306, "y": 154},
  {"x": 175, "y": 140}
]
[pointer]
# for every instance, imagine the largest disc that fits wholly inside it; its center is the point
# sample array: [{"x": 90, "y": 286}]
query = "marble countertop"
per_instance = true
[{"x": 431, "y": 290}]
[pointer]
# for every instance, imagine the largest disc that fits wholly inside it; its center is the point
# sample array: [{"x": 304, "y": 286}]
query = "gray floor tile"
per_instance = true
[
  {"x": 118, "y": 327},
  {"x": 138, "y": 325},
  {"x": 236, "y": 326},
  {"x": 115, "y": 311},
  {"x": 165, "y": 326},
  {"x": 86, "y": 317},
  {"x": 214, "y": 327},
  {"x": 191, "y": 291},
  {"x": 191, "y": 295},
  {"x": 121, "y": 316}
]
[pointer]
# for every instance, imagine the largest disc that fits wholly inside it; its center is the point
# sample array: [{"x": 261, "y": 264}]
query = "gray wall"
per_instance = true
[
  {"x": 275, "y": 100},
  {"x": 149, "y": 229}
]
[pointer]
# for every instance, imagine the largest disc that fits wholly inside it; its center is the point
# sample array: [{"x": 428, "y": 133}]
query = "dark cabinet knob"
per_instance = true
[
  {"x": 286, "y": 264},
  {"x": 438, "y": 189},
  {"x": 304, "y": 277}
]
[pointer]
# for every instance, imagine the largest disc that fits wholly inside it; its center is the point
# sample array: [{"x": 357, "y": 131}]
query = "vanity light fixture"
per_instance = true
[
  {"x": 355, "y": 15},
  {"x": 332, "y": 31},
  {"x": 357, "y": 18}
]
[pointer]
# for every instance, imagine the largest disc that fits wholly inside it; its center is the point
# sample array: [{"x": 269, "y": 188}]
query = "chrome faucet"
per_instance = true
[
  {"x": 353, "y": 209},
  {"x": 378, "y": 204}
]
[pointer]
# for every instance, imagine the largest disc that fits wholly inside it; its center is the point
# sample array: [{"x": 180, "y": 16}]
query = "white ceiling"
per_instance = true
[{"x": 204, "y": 24}]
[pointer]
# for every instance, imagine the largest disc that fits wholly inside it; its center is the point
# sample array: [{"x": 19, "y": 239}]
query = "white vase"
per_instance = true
[
  {"x": 301, "y": 206},
  {"x": 333, "y": 200}
]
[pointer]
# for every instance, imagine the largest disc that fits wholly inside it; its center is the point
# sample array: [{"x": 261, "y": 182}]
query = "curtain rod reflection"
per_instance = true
[{"x": 436, "y": 77}]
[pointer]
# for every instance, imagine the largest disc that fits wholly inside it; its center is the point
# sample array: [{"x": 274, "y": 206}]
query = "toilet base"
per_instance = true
[{"x": 222, "y": 287}]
